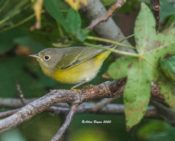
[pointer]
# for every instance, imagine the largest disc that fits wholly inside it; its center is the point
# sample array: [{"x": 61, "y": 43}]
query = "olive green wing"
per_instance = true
[{"x": 76, "y": 55}]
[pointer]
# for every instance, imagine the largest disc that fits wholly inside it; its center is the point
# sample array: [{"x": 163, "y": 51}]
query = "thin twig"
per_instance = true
[
  {"x": 8, "y": 113},
  {"x": 164, "y": 112},
  {"x": 13, "y": 102},
  {"x": 20, "y": 93},
  {"x": 102, "y": 103},
  {"x": 108, "y": 14},
  {"x": 108, "y": 29},
  {"x": 66, "y": 124}
]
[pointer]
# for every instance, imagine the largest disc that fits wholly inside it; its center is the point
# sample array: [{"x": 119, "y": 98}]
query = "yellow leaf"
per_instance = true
[
  {"x": 77, "y": 4},
  {"x": 37, "y": 7}
]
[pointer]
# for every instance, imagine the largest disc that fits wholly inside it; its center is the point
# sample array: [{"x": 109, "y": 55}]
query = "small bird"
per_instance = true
[{"x": 71, "y": 65}]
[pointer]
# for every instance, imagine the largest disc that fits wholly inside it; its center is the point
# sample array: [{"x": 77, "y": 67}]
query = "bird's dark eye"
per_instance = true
[{"x": 46, "y": 57}]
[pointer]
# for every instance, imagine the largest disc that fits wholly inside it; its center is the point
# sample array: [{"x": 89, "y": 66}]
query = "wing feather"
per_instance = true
[{"x": 76, "y": 55}]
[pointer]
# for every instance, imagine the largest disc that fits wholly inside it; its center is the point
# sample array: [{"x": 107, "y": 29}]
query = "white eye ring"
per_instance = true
[{"x": 46, "y": 57}]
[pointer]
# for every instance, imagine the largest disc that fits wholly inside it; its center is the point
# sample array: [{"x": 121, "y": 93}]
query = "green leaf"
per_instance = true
[
  {"x": 82, "y": 34},
  {"x": 144, "y": 29},
  {"x": 108, "y": 2},
  {"x": 73, "y": 21},
  {"x": 136, "y": 93},
  {"x": 167, "y": 9},
  {"x": 144, "y": 70},
  {"x": 7, "y": 39},
  {"x": 167, "y": 91},
  {"x": 119, "y": 68},
  {"x": 30, "y": 43},
  {"x": 167, "y": 65},
  {"x": 55, "y": 8},
  {"x": 151, "y": 48},
  {"x": 151, "y": 62},
  {"x": 69, "y": 19},
  {"x": 15, "y": 70},
  {"x": 166, "y": 46},
  {"x": 165, "y": 43}
]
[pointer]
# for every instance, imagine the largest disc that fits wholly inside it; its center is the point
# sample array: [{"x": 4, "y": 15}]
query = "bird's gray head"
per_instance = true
[{"x": 49, "y": 57}]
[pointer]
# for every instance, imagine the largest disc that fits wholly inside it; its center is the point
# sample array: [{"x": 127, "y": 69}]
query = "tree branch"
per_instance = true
[
  {"x": 103, "y": 90},
  {"x": 66, "y": 124},
  {"x": 107, "y": 15},
  {"x": 13, "y": 102},
  {"x": 106, "y": 89},
  {"x": 87, "y": 107},
  {"x": 108, "y": 29},
  {"x": 8, "y": 113}
]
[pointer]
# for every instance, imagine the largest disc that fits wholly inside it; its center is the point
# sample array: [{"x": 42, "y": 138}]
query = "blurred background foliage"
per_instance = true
[{"x": 63, "y": 27}]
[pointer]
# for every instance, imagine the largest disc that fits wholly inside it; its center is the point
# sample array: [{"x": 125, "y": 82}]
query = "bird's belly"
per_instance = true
[{"x": 83, "y": 72}]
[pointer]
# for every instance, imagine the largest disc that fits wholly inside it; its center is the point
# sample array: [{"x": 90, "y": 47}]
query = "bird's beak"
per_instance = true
[{"x": 34, "y": 55}]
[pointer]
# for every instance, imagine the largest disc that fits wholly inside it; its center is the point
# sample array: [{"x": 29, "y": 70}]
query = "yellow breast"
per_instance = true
[{"x": 84, "y": 71}]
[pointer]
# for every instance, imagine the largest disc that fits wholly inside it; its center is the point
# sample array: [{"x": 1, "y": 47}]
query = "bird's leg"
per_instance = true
[{"x": 79, "y": 84}]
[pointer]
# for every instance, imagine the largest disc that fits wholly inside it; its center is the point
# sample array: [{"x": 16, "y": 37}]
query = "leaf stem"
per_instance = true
[
  {"x": 112, "y": 50},
  {"x": 127, "y": 37},
  {"x": 108, "y": 41}
]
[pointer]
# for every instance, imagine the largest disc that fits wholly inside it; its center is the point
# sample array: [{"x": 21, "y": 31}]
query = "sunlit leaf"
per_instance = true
[
  {"x": 144, "y": 70},
  {"x": 77, "y": 4},
  {"x": 167, "y": 65},
  {"x": 37, "y": 7},
  {"x": 136, "y": 94},
  {"x": 167, "y": 91},
  {"x": 144, "y": 29},
  {"x": 119, "y": 68}
]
